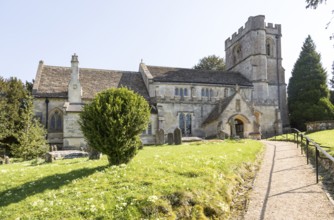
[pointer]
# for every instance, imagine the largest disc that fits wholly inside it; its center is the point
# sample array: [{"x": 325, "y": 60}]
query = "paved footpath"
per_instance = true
[{"x": 285, "y": 187}]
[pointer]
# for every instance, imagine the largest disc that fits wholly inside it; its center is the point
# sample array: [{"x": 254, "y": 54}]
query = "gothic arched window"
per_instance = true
[
  {"x": 185, "y": 121},
  {"x": 176, "y": 91},
  {"x": 56, "y": 121},
  {"x": 269, "y": 47},
  {"x": 185, "y": 92},
  {"x": 237, "y": 53}
]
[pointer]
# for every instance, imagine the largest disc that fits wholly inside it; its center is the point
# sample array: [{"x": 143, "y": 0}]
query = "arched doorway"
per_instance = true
[
  {"x": 239, "y": 125},
  {"x": 239, "y": 128}
]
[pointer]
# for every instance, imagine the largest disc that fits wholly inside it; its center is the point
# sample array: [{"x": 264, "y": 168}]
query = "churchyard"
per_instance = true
[{"x": 194, "y": 180}]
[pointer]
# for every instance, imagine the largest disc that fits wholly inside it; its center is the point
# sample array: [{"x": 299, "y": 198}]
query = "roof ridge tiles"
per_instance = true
[{"x": 85, "y": 68}]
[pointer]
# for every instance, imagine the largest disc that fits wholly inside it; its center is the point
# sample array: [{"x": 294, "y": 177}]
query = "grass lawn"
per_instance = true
[
  {"x": 324, "y": 138},
  {"x": 192, "y": 181}
]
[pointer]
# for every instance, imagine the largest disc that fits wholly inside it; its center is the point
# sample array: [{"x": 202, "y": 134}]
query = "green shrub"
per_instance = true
[{"x": 112, "y": 123}]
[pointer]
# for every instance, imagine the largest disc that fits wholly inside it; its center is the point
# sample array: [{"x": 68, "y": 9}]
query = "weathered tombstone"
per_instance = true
[
  {"x": 161, "y": 137},
  {"x": 170, "y": 138},
  {"x": 7, "y": 160},
  {"x": 48, "y": 158},
  {"x": 177, "y": 136}
]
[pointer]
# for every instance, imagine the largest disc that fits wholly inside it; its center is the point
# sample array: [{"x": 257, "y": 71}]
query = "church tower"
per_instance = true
[{"x": 255, "y": 52}]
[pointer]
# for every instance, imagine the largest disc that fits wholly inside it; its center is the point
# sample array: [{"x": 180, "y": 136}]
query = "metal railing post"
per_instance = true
[
  {"x": 316, "y": 162},
  {"x": 297, "y": 139},
  {"x": 301, "y": 144},
  {"x": 307, "y": 144}
]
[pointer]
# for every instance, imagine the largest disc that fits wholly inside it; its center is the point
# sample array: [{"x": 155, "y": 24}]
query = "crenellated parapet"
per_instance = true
[
  {"x": 274, "y": 29},
  {"x": 253, "y": 23}
]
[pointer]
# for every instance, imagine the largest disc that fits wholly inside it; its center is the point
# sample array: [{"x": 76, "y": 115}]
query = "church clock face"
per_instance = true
[{"x": 75, "y": 86}]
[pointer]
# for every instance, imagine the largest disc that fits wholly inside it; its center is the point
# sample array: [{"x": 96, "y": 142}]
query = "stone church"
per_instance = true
[{"x": 248, "y": 100}]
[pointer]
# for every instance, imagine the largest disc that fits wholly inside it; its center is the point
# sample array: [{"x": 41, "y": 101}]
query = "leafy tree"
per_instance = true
[
  {"x": 331, "y": 83},
  {"x": 308, "y": 94},
  {"x": 112, "y": 122},
  {"x": 31, "y": 136},
  {"x": 18, "y": 129},
  {"x": 12, "y": 95},
  {"x": 211, "y": 62},
  {"x": 314, "y": 3},
  {"x": 3, "y": 121},
  {"x": 29, "y": 86}
]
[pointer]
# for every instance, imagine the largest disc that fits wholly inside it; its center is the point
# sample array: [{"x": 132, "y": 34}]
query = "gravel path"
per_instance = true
[{"x": 285, "y": 187}]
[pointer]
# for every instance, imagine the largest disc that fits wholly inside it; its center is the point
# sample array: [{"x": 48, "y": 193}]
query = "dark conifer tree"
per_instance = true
[
  {"x": 20, "y": 133},
  {"x": 331, "y": 83},
  {"x": 308, "y": 94}
]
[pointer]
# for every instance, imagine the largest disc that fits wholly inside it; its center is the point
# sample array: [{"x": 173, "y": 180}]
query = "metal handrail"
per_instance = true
[{"x": 310, "y": 142}]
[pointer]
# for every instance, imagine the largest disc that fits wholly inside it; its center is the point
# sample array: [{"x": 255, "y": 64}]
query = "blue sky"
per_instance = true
[{"x": 110, "y": 34}]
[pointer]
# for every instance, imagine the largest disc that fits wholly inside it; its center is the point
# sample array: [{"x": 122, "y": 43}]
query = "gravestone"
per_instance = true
[
  {"x": 94, "y": 155},
  {"x": 161, "y": 137},
  {"x": 48, "y": 158},
  {"x": 7, "y": 160},
  {"x": 170, "y": 138},
  {"x": 177, "y": 136}
]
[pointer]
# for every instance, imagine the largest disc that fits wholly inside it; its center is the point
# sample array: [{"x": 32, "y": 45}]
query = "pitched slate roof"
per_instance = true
[
  {"x": 52, "y": 81},
  {"x": 170, "y": 74},
  {"x": 218, "y": 110}
]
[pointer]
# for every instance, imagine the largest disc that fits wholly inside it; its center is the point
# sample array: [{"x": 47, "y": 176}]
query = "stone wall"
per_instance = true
[
  {"x": 319, "y": 125},
  {"x": 73, "y": 136},
  {"x": 166, "y": 92}
]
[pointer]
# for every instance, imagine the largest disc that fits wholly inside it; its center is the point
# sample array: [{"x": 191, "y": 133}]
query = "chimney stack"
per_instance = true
[
  {"x": 75, "y": 67},
  {"x": 74, "y": 87}
]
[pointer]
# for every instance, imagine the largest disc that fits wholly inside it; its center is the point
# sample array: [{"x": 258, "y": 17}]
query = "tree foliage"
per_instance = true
[
  {"x": 308, "y": 94},
  {"x": 112, "y": 123},
  {"x": 31, "y": 136},
  {"x": 314, "y": 3},
  {"x": 211, "y": 62},
  {"x": 20, "y": 133},
  {"x": 331, "y": 83}
]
